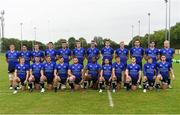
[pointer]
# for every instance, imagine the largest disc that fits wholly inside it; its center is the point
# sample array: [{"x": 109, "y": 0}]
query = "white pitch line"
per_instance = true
[{"x": 111, "y": 104}]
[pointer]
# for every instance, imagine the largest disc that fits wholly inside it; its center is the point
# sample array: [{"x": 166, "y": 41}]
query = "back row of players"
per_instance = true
[{"x": 52, "y": 66}]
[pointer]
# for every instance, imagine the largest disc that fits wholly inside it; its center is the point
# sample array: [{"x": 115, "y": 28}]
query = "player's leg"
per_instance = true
[
  {"x": 10, "y": 75},
  {"x": 62, "y": 84},
  {"x": 151, "y": 84},
  {"x": 16, "y": 82},
  {"x": 86, "y": 81},
  {"x": 77, "y": 84},
  {"x": 145, "y": 84},
  {"x": 71, "y": 80},
  {"x": 50, "y": 83},
  {"x": 128, "y": 83},
  {"x": 37, "y": 83},
  {"x": 56, "y": 80},
  {"x": 30, "y": 82},
  {"x": 42, "y": 81},
  {"x": 113, "y": 83},
  {"x": 134, "y": 84},
  {"x": 118, "y": 81},
  {"x": 101, "y": 83},
  {"x": 158, "y": 81},
  {"x": 164, "y": 82}
]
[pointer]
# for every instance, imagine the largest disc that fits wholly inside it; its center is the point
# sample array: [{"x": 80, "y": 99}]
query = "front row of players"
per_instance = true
[{"x": 94, "y": 76}]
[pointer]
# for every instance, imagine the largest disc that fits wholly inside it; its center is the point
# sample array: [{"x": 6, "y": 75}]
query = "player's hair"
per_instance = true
[
  {"x": 149, "y": 57},
  {"x": 50, "y": 43},
  {"x": 106, "y": 40},
  {"x": 24, "y": 45},
  {"x": 133, "y": 57},
  {"x": 60, "y": 57}
]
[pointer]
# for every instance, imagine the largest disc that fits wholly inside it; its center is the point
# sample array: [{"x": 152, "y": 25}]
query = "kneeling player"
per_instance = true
[
  {"x": 133, "y": 74},
  {"x": 150, "y": 72},
  {"x": 21, "y": 75},
  {"x": 35, "y": 74},
  {"x": 60, "y": 74},
  {"x": 48, "y": 74},
  {"x": 118, "y": 70},
  {"x": 164, "y": 69},
  {"x": 75, "y": 73},
  {"x": 106, "y": 76},
  {"x": 92, "y": 73}
]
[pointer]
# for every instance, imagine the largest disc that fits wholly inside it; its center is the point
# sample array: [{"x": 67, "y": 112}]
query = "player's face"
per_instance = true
[
  {"x": 37, "y": 59},
  {"x": 137, "y": 43},
  {"x": 78, "y": 44},
  {"x": 75, "y": 60},
  {"x": 152, "y": 45},
  {"x": 64, "y": 45},
  {"x": 36, "y": 47},
  {"x": 24, "y": 48},
  {"x": 106, "y": 61},
  {"x": 163, "y": 58},
  {"x": 133, "y": 60},
  {"x": 166, "y": 44},
  {"x": 93, "y": 44},
  {"x": 22, "y": 60},
  {"x": 107, "y": 43},
  {"x": 12, "y": 47},
  {"x": 61, "y": 60},
  {"x": 48, "y": 59},
  {"x": 117, "y": 59},
  {"x": 50, "y": 45},
  {"x": 150, "y": 60},
  {"x": 122, "y": 44}
]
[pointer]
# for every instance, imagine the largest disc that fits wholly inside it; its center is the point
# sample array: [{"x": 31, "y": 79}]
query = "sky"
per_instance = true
[{"x": 55, "y": 19}]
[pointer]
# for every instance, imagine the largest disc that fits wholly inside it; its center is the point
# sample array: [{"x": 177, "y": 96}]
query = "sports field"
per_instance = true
[{"x": 90, "y": 101}]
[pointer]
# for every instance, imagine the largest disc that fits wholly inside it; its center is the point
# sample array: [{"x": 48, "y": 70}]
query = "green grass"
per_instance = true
[{"x": 90, "y": 101}]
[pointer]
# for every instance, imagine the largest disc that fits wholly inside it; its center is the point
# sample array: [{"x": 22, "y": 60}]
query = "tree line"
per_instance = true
[{"x": 157, "y": 36}]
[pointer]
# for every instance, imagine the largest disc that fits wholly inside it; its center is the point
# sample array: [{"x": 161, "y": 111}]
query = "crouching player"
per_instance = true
[
  {"x": 60, "y": 74},
  {"x": 106, "y": 77},
  {"x": 35, "y": 74},
  {"x": 150, "y": 73},
  {"x": 47, "y": 74},
  {"x": 75, "y": 73},
  {"x": 133, "y": 74},
  {"x": 118, "y": 70},
  {"x": 164, "y": 69},
  {"x": 21, "y": 75},
  {"x": 92, "y": 73}
]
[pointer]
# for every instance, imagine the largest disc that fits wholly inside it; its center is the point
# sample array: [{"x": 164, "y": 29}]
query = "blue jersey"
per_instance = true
[
  {"x": 49, "y": 69},
  {"x": 123, "y": 54},
  {"x": 26, "y": 55},
  {"x": 134, "y": 70},
  {"x": 76, "y": 70},
  {"x": 52, "y": 53},
  {"x": 107, "y": 53},
  {"x": 79, "y": 53},
  {"x": 137, "y": 53},
  {"x": 36, "y": 69},
  {"x": 37, "y": 54},
  {"x": 65, "y": 53},
  {"x": 22, "y": 70},
  {"x": 153, "y": 53},
  {"x": 150, "y": 70},
  {"x": 164, "y": 69},
  {"x": 12, "y": 58},
  {"x": 168, "y": 53},
  {"x": 118, "y": 67},
  {"x": 92, "y": 52},
  {"x": 107, "y": 71},
  {"x": 93, "y": 70},
  {"x": 62, "y": 70}
]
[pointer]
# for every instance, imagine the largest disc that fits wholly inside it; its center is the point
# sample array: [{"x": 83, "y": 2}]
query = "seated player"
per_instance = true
[
  {"x": 133, "y": 75},
  {"x": 106, "y": 76},
  {"x": 21, "y": 75},
  {"x": 164, "y": 69},
  {"x": 150, "y": 72},
  {"x": 118, "y": 70},
  {"x": 35, "y": 74},
  {"x": 47, "y": 74},
  {"x": 75, "y": 73},
  {"x": 92, "y": 73},
  {"x": 60, "y": 74}
]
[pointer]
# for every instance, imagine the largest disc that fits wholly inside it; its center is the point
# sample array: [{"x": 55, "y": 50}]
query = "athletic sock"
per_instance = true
[
  {"x": 42, "y": 84},
  {"x": 169, "y": 81},
  {"x": 100, "y": 85},
  {"x": 128, "y": 86},
  {"x": 71, "y": 85},
  {"x": 30, "y": 85},
  {"x": 113, "y": 85}
]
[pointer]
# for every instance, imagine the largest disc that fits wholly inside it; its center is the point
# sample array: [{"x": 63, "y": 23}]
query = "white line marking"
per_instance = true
[{"x": 111, "y": 104}]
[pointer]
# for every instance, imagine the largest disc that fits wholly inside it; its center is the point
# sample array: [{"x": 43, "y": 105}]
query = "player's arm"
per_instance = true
[
  {"x": 27, "y": 76},
  {"x": 69, "y": 72},
  {"x": 139, "y": 76},
  {"x": 172, "y": 73},
  {"x": 55, "y": 72}
]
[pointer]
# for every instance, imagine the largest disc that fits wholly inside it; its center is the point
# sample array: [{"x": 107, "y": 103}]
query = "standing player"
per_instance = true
[
  {"x": 65, "y": 52},
  {"x": 118, "y": 71},
  {"x": 75, "y": 73},
  {"x": 12, "y": 59},
  {"x": 164, "y": 69},
  {"x": 21, "y": 75},
  {"x": 35, "y": 74},
  {"x": 138, "y": 53},
  {"x": 168, "y": 52},
  {"x": 133, "y": 74},
  {"x": 79, "y": 52},
  {"x": 26, "y": 54},
  {"x": 107, "y": 52},
  {"x": 150, "y": 72},
  {"x": 152, "y": 52},
  {"x": 92, "y": 73},
  {"x": 106, "y": 76},
  {"x": 92, "y": 52},
  {"x": 60, "y": 74},
  {"x": 51, "y": 52},
  {"x": 37, "y": 52},
  {"x": 123, "y": 53},
  {"x": 48, "y": 74}
]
